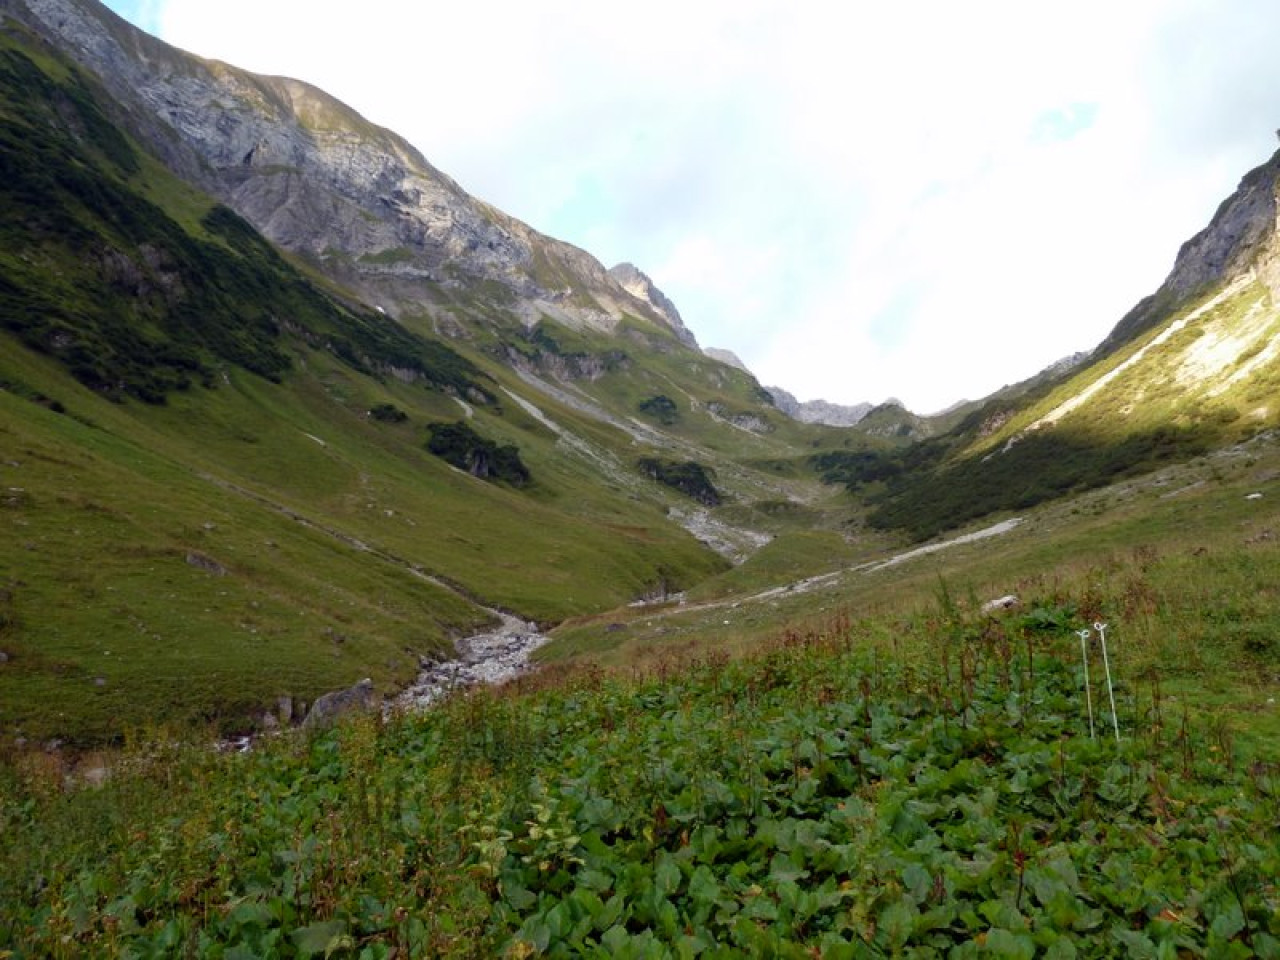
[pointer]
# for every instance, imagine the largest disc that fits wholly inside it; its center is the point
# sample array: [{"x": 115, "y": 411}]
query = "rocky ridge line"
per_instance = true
[{"x": 320, "y": 180}]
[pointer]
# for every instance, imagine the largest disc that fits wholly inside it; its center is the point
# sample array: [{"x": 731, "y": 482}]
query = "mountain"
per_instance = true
[
  {"x": 273, "y": 421},
  {"x": 818, "y": 411},
  {"x": 319, "y": 180},
  {"x": 284, "y": 407},
  {"x": 727, "y": 357},
  {"x": 1192, "y": 368},
  {"x": 1240, "y": 239}
]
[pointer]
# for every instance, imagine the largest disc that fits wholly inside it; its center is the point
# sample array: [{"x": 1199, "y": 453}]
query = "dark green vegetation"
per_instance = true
[
  {"x": 661, "y": 408},
  {"x": 131, "y": 300},
  {"x": 388, "y": 413},
  {"x": 458, "y": 444},
  {"x": 689, "y": 477},
  {"x": 833, "y": 794},
  {"x": 855, "y": 468},
  {"x": 924, "y": 499}
]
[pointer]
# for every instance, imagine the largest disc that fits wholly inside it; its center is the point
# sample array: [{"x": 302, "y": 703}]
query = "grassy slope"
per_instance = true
[
  {"x": 1180, "y": 561},
  {"x": 567, "y": 546},
  {"x": 1152, "y": 412}
]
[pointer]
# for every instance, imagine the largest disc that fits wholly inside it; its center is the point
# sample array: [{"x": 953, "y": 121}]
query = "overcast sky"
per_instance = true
[{"x": 925, "y": 200}]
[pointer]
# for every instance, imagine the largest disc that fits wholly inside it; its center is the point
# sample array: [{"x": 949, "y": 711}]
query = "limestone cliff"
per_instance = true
[
  {"x": 818, "y": 411},
  {"x": 638, "y": 284},
  {"x": 320, "y": 180},
  {"x": 1240, "y": 237},
  {"x": 727, "y": 357}
]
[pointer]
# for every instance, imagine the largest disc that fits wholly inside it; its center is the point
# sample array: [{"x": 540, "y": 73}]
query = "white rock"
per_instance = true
[{"x": 1007, "y": 602}]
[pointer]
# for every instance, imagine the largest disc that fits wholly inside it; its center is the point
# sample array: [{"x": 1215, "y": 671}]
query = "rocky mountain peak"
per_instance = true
[
  {"x": 637, "y": 283},
  {"x": 1241, "y": 237},
  {"x": 727, "y": 357},
  {"x": 818, "y": 411}
]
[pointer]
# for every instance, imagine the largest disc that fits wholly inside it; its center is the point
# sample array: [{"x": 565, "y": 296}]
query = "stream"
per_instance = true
[{"x": 494, "y": 657}]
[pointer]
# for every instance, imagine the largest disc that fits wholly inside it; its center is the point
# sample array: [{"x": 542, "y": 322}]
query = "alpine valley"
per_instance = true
[{"x": 283, "y": 408}]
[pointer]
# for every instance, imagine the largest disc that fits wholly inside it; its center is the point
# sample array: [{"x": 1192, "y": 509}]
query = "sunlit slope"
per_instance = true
[{"x": 1194, "y": 367}]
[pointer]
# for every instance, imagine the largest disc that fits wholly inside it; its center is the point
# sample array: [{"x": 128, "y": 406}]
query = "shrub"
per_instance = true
[
  {"x": 388, "y": 413},
  {"x": 456, "y": 443},
  {"x": 688, "y": 476},
  {"x": 661, "y": 408}
]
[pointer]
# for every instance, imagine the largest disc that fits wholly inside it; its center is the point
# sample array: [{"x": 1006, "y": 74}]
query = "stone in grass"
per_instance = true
[
  {"x": 333, "y": 705},
  {"x": 1007, "y": 602},
  {"x": 207, "y": 564}
]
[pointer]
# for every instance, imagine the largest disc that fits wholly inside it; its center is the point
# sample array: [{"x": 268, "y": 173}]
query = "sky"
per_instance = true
[{"x": 924, "y": 200}]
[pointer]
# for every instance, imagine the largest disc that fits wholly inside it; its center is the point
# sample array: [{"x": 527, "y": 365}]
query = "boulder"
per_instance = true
[
  {"x": 207, "y": 564},
  {"x": 333, "y": 705},
  {"x": 1007, "y": 602}
]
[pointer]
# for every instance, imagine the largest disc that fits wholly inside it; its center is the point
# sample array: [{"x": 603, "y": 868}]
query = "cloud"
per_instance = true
[{"x": 923, "y": 200}]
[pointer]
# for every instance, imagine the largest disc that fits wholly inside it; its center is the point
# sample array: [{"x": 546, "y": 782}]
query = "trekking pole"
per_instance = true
[
  {"x": 1084, "y": 653},
  {"x": 1106, "y": 664}
]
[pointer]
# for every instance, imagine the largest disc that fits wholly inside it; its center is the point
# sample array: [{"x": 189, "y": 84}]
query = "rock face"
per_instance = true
[
  {"x": 638, "y": 284},
  {"x": 727, "y": 357},
  {"x": 1241, "y": 236},
  {"x": 818, "y": 411},
  {"x": 317, "y": 178}
]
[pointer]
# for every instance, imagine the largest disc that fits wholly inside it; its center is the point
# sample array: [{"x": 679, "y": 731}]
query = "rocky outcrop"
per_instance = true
[
  {"x": 1241, "y": 236},
  {"x": 818, "y": 411},
  {"x": 637, "y": 283},
  {"x": 727, "y": 357},
  {"x": 320, "y": 180},
  {"x": 333, "y": 705}
]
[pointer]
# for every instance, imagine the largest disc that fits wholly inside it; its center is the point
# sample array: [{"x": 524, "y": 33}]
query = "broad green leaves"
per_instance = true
[{"x": 725, "y": 812}]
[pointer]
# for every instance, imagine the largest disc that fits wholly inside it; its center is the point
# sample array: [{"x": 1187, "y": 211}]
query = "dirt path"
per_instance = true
[{"x": 824, "y": 579}]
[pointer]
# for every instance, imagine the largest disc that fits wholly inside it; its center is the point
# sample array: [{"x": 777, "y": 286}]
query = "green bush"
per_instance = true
[
  {"x": 388, "y": 413},
  {"x": 458, "y": 444},
  {"x": 688, "y": 476},
  {"x": 661, "y": 408}
]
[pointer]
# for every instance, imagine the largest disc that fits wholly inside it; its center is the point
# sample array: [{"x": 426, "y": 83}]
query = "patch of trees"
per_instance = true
[
  {"x": 688, "y": 476},
  {"x": 661, "y": 408},
  {"x": 456, "y": 443},
  {"x": 1039, "y": 467},
  {"x": 855, "y": 468},
  {"x": 564, "y": 353},
  {"x": 388, "y": 413}
]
